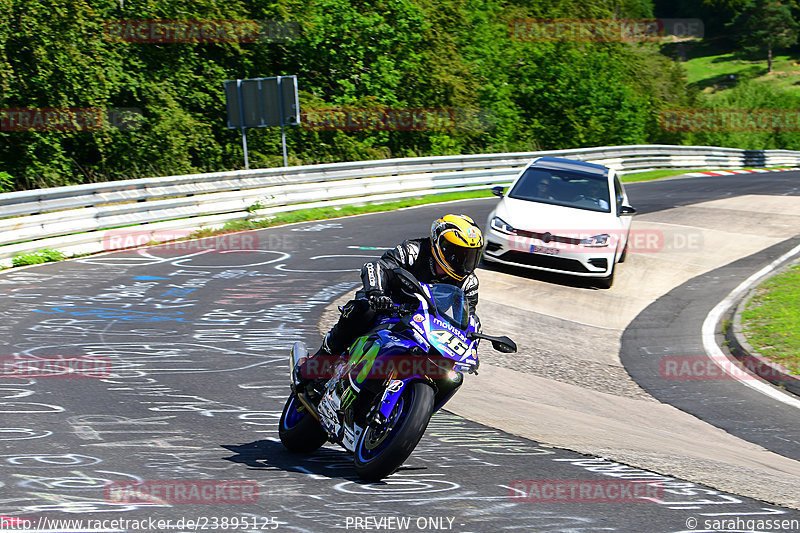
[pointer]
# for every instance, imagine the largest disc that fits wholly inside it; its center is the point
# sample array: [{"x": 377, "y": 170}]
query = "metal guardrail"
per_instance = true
[{"x": 78, "y": 219}]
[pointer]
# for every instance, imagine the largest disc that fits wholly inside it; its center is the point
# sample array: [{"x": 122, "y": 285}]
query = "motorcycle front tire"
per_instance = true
[{"x": 381, "y": 451}]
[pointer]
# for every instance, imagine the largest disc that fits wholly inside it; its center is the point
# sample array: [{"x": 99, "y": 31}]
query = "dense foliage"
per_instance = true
[
  {"x": 765, "y": 26},
  {"x": 523, "y": 93}
]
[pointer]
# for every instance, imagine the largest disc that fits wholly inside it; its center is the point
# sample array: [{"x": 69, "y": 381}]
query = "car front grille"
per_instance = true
[{"x": 547, "y": 237}]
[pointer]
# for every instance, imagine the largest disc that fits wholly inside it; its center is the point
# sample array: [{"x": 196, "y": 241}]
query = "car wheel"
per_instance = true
[{"x": 624, "y": 254}]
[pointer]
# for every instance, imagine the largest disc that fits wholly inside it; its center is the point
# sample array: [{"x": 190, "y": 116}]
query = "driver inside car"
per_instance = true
[
  {"x": 596, "y": 193},
  {"x": 449, "y": 255}
]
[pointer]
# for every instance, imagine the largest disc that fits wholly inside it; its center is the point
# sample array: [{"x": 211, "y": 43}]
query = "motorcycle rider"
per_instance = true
[{"x": 449, "y": 255}]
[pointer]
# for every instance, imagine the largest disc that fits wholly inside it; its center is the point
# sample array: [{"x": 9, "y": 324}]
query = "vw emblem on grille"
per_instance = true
[{"x": 547, "y": 237}]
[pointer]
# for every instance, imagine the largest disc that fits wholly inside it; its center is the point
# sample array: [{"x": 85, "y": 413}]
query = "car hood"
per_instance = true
[{"x": 536, "y": 216}]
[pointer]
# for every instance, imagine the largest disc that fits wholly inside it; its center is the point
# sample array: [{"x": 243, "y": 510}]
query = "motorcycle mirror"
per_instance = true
[
  {"x": 504, "y": 345},
  {"x": 501, "y": 344}
]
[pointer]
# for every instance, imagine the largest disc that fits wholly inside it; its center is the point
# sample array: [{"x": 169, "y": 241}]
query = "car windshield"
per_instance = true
[
  {"x": 451, "y": 304},
  {"x": 561, "y": 187}
]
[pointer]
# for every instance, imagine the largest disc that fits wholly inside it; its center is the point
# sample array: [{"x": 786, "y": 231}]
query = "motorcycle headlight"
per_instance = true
[
  {"x": 598, "y": 241},
  {"x": 500, "y": 225}
]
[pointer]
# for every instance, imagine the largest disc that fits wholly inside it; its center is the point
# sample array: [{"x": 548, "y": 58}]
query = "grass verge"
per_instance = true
[
  {"x": 651, "y": 175},
  {"x": 35, "y": 258},
  {"x": 771, "y": 319},
  {"x": 713, "y": 67},
  {"x": 323, "y": 213}
]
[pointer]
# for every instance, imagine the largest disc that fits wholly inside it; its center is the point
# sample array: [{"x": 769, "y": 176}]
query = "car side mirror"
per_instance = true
[
  {"x": 498, "y": 191},
  {"x": 627, "y": 210}
]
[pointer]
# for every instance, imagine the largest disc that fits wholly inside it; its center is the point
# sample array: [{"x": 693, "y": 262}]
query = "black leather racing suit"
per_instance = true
[{"x": 378, "y": 279}]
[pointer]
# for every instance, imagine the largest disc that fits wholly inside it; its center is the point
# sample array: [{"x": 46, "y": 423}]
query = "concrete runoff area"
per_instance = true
[
  {"x": 652, "y": 436},
  {"x": 566, "y": 386},
  {"x": 621, "y": 427}
]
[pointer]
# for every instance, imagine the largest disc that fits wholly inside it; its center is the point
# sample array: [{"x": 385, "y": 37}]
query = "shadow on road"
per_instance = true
[{"x": 329, "y": 462}]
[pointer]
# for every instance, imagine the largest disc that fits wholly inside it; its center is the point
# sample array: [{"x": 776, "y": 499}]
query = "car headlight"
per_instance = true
[
  {"x": 598, "y": 241},
  {"x": 500, "y": 225}
]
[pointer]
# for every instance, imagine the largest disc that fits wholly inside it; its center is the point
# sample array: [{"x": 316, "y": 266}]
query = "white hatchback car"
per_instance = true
[{"x": 561, "y": 215}]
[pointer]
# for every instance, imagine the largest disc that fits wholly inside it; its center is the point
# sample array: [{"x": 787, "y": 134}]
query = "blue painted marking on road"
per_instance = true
[{"x": 105, "y": 314}]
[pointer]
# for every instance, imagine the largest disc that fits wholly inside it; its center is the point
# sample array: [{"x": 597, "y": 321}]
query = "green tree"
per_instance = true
[
  {"x": 715, "y": 14},
  {"x": 453, "y": 54},
  {"x": 765, "y": 26}
]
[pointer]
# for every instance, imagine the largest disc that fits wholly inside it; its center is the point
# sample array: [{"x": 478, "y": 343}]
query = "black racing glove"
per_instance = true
[{"x": 380, "y": 302}]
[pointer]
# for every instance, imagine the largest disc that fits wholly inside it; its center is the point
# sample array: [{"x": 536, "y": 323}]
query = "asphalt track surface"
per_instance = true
[
  {"x": 190, "y": 342},
  {"x": 671, "y": 325},
  {"x": 671, "y": 328}
]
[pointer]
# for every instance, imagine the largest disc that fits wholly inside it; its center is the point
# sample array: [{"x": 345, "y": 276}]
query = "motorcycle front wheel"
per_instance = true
[
  {"x": 299, "y": 431},
  {"x": 382, "y": 449}
]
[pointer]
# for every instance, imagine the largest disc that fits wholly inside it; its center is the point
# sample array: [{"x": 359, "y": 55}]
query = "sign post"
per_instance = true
[{"x": 262, "y": 103}]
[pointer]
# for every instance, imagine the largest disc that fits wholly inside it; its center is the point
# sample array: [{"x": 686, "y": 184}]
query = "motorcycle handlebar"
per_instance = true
[{"x": 394, "y": 310}]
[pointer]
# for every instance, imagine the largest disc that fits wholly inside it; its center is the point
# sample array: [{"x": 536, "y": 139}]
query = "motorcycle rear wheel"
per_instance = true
[
  {"x": 382, "y": 450},
  {"x": 299, "y": 431}
]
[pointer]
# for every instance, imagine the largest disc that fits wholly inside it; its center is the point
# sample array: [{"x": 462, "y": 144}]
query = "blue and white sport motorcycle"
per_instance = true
[{"x": 376, "y": 399}]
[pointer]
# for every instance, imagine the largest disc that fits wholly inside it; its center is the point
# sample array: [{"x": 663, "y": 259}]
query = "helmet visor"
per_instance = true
[{"x": 460, "y": 259}]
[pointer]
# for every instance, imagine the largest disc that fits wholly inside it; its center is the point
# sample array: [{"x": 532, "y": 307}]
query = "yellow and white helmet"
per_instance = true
[{"x": 456, "y": 243}]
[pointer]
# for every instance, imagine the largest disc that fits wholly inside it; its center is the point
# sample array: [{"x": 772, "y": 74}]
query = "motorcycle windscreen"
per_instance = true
[{"x": 451, "y": 304}]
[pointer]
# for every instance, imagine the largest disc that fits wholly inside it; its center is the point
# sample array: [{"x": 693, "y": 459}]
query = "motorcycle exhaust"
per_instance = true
[
  {"x": 308, "y": 405},
  {"x": 298, "y": 353}
]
